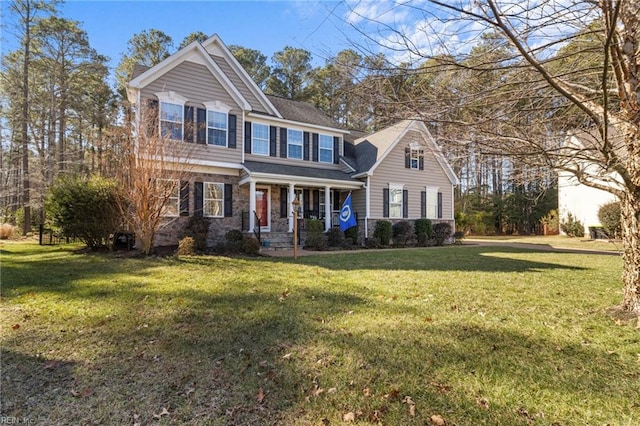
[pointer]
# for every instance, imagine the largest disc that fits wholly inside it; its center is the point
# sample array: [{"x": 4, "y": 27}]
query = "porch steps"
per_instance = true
[{"x": 272, "y": 241}]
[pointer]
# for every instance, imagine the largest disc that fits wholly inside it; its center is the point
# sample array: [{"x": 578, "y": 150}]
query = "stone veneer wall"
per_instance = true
[{"x": 173, "y": 228}]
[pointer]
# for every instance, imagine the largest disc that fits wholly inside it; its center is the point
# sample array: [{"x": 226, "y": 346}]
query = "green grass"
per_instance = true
[
  {"x": 477, "y": 335},
  {"x": 553, "y": 241}
]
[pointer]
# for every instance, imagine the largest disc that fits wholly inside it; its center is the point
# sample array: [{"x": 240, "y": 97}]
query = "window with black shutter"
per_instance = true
[
  {"x": 247, "y": 137},
  {"x": 228, "y": 200},
  {"x": 184, "y": 198},
  {"x": 232, "y": 133}
]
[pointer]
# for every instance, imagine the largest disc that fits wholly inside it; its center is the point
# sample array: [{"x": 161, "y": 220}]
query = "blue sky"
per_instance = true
[{"x": 267, "y": 26}]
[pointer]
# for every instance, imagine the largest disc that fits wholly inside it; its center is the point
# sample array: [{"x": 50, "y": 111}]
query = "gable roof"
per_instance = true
[
  {"x": 372, "y": 149},
  {"x": 301, "y": 112},
  {"x": 223, "y": 66}
]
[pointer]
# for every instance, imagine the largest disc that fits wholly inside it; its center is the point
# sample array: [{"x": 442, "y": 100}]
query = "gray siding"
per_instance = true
[
  {"x": 195, "y": 82},
  {"x": 238, "y": 83},
  {"x": 392, "y": 170}
]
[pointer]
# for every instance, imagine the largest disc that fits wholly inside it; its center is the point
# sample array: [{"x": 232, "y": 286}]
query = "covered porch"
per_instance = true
[{"x": 271, "y": 189}]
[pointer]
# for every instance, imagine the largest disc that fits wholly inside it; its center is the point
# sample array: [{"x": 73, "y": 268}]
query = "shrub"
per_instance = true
[
  {"x": 86, "y": 208},
  {"x": 424, "y": 231},
  {"x": 609, "y": 216},
  {"x": 352, "y": 233},
  {"x": 233, "y": 241},
  {"x": 402, "y": 232},
  {"x": 373, "y": 242},
  {"x": 458, "y": 236},
  {"x": 314, "y": 239},
  {"x": 550, "y": 220},
  {"x": 441, "y": 232},
  {"x": 250, "y": 246},
  {"x": 7, "y": 231},
  {"x": 383, "y": 232},
  {"x": 572, "y": 227},
  {"x": 335, "y": 237},
  {"x": 186, "y": 247},
  {"x": 198, "y": 229}
]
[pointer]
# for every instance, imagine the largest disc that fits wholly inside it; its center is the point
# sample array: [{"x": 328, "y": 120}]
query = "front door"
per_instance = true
[{"x": 262, "y": 207}]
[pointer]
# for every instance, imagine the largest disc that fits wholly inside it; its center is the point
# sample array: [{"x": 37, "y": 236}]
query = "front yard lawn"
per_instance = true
[{"x": 466, "y": 335}]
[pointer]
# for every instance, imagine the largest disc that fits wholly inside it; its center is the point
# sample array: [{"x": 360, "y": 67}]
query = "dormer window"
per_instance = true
[
  {"x": 414, "y": 157},
  {"x": 217, "y": 119},
  {"x": 171, "y": 115}
]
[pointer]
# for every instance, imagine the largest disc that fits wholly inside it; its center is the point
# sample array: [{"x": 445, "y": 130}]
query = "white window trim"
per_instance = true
[
  {"x": 432, "y": 197},
  {"x": 221, "y": 108},
  {"x": 253, "y": 138},
  {"x": 173, "y": 195},
  {"x": 392, "y": 188},
  {"x": 416, "y": 154},
  {"x": 170, "y": 98},
  {"x": 205, "y": 199},
  {"x": 289, "y": 144},
  {"x": 326, "y": 149}
]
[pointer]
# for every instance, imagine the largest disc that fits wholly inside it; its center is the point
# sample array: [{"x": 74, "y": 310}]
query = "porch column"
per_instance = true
[
  {"x": 327, "y": 208},
  {"x": 292, "y": 195},
  {"x": 252, "y": 205}
]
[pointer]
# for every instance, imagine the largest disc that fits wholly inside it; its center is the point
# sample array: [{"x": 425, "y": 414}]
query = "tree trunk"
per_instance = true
[{"x": 630, "y": 221}]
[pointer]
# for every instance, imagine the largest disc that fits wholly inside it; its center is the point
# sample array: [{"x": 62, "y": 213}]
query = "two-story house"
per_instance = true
[{"x": 252, "y": 154}]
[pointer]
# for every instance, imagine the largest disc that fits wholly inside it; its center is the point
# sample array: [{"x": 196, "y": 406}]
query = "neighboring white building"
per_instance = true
[{"x": 583, "y": 201}]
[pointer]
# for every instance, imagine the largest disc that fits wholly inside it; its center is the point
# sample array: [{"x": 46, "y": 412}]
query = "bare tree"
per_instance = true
[
  {"x": 544, "y": 90},
  {"x": 151, "y": 170}
]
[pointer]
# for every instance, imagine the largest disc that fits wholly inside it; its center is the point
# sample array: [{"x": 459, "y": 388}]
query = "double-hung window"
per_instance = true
[
  {"x": 417, "y": 157},
  {"x": 213, "y": 199},
  {"x": 217, "y": 119},
  {"x": 260, "y": 139},
  {"x": 326, "y": 149},
  {"x": 169, "y": 191},
  {"x": 395, "y": 201},
  {"x": 294, "y": 144},
  {"x": 171, "y": 115}
]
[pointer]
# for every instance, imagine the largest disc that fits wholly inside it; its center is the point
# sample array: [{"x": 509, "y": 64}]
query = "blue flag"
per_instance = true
[{"x": 347, "y": 218}]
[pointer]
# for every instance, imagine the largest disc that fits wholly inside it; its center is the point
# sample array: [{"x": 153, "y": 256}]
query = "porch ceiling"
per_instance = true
[{"x": 285, "y": 174}]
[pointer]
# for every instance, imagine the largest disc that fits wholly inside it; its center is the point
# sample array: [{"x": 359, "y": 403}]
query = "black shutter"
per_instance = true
[
  {"x": 201, "y": 130},
  {"x": 184, "y": 198},
  {"x": 405, "y": 203},
  {"x": 305, "y": 146},
  {"x": 336, "y": 149},
  {"x": 315, "y": 147},
  {"x": 283, "y": 142},
  {"x": 273, "y": 140},
  {"x": 284, "y": 194},
  {"x": 423, "y": 204},
  {"x": 198, "y": 199},
  {"x": 439, "y": 205},
  {"x": 316, "y": 202},
  {"x": 421, "y": 161},
  {"x": 385, "y": 202},
  {"x": 247, "y": 137},
  {"x": 228, "y": 200},
  {"x": 231, "y": 141},
  {"x": 407, "y": 158},
  {"x": 336, "y": 200},
  {"x": 152, "y": 118},
  {"x": 306, "y": 206},
  {"x": 188, "y": 123}
]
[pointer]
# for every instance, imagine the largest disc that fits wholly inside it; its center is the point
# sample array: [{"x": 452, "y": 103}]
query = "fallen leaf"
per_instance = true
[
  {"x": 332, "y": 390},
  {"x": 367, "y": 392},
  {"x": 82, "y": 394},
  {"x": 483, "y": 403},
  {"x": 260, "y": 395},
  {"x": 437, "y": 420},
  {"x": 164, "y": 412},
  {"x": 412, "y": 405},
  {"x": 15, "y": 326},
  {"x": 287, "y": 356},
  {"x": 349, "y": 417}
]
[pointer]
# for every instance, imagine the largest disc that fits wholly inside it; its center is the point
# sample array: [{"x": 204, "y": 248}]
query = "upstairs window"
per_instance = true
[
  {"x": 294, "y": 144},
  {"x": 216, "y": 128},
  {"x": 326, "y": 149},
  {"x": 171, "y": 115},
  {"x": 417, "y": 158},
  {"x": 260, "y": 139},
  {"x": 171, "y": 120},
  {"x": 217, "y": 123}
]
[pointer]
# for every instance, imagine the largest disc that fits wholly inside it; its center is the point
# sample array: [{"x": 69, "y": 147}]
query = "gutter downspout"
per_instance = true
[{"x": 367, "y": 207}]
